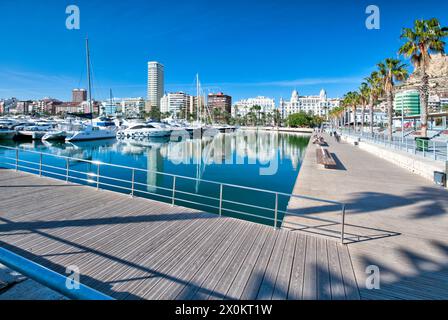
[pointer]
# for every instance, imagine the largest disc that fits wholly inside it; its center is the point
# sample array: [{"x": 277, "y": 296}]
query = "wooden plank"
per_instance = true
[
  {"x": 270, "y": 276},
  {"x": 323, "y": 272},
  {"x": 298, "y": 269},
  {"x": 226, "y": 281},
  {"x": 284, "y": 274},
  {"x": 168, "y": 289},
  {"x": 310, "y": 275},
  {"x": 240, "y": 281},
  {"x": 253, "y": 285},
  {"x": 337, "y": 283},
  {"x": 348, "y": 275},
  {"x": 201, "y": 275},
  {"x": 220, "y": 268}
]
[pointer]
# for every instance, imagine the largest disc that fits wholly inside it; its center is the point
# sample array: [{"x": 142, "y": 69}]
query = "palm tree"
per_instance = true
[
  {"x": 376, "y": 90},
  {"x": 426, "y": 38},
  {"x": 351, "y": 101},
  {"x": 391, "y": 70},
  {"x": 364, "y": 95}
]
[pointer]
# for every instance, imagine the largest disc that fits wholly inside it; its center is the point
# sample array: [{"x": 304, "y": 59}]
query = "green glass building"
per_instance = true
[{"x": 409, "y": 101}]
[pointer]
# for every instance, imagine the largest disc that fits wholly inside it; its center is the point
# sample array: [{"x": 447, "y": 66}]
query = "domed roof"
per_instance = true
[
  {"x": 295, "y": 96},
  {"x": 323, "y": 94}
]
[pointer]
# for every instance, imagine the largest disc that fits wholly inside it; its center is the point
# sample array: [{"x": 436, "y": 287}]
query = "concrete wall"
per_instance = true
[
  {"x": 415, "y": 164},
  {"x": 280, "y": 129}
]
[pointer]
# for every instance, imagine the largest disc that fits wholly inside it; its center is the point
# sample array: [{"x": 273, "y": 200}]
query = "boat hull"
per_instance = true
[
  {"x": 55, "y": 136},
  {"x": 7, "y": 135}
]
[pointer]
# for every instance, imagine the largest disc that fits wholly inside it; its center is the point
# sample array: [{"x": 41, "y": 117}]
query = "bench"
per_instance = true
[
  {"x": 319, "y": 140},
  {"x": 325, "y": 158}
]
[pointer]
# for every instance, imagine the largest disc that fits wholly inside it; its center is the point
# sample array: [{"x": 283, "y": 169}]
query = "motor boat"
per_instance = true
[
  {"x": 92, "y": 132},
  {"x": 7, "y": 134},
  {"x": 145, "y": 130},
  {"x": 37, "y": 131}
]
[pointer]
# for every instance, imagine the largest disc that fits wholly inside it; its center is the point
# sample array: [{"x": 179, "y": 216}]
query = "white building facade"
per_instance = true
[
  {"x": 316, "y": 105},
  {"x": 156, "y": 84},
  {"x": 243, "y": 107},
  {"x": 174, "y": 103}
]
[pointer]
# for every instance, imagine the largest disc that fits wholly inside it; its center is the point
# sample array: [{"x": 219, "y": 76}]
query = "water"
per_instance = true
[{"x": 262, "y": 160}]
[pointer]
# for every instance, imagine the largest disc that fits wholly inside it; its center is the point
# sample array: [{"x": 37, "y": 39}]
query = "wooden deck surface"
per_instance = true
[{"x": 142, "y": 249}]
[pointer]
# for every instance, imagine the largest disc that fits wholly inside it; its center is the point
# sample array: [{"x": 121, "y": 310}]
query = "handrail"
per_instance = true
[
  {"x": 49, "y": 278},
  {"x": 94, "y": 178}
]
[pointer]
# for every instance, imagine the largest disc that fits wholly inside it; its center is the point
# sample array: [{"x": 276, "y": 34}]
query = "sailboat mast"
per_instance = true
[
  {"x": 198, "y": 106},
  {"x": 88, "y": 77}
]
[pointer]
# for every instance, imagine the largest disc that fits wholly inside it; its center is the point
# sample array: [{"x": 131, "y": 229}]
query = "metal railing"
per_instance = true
[
  {"x": 430, "y": 149},
  {"x": 49, "y": 278},
  {"x": 220, "y": 204}
]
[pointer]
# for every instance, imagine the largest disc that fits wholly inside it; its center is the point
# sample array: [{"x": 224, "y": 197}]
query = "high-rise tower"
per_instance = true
[{"x": 155, "y": 84}]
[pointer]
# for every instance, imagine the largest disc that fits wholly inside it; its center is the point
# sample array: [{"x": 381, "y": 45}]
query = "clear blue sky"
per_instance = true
[{"x": 244, "y": 48}]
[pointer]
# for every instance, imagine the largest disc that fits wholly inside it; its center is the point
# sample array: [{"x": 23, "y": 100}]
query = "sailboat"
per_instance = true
[{"x": 91, "y": 131}]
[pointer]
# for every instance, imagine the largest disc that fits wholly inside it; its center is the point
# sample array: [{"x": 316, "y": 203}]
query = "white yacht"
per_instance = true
[
  {"x": 92, "y": 132},
  {"x": 36, "y": 131},
  {"x": 145, "y": 130},
  {"x": 7, "y": 134}
]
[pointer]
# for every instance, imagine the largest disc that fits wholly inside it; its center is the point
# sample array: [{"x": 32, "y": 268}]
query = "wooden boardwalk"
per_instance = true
[{"x": 142, "y": 249}]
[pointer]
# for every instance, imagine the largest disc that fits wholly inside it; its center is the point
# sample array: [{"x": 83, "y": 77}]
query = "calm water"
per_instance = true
[{"x": 263, "y": 160}]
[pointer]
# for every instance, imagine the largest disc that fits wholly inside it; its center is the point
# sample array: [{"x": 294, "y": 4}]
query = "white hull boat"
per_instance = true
[
  {"x": 91, "y": 133},
  {"x": 7, "y": 134}
]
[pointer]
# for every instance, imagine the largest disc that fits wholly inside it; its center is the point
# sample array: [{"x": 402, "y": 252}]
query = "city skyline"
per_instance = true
[{"x": 239, "y": 53}]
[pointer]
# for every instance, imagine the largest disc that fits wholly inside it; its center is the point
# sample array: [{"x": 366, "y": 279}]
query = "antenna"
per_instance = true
[{"x": 88, "y": 78}]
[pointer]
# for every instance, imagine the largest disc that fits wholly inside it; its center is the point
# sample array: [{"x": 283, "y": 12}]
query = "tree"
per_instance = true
[
  {"x": 351, "y": 101},
  {"x": 277, "y": 118},
  {"x": 391, "y": 70},
  {"x": 425, "y": 38},
  {"x": 364, "y": 95},
  {"x": 304, "y": 120},
  {"x": 376, "y": 90}
]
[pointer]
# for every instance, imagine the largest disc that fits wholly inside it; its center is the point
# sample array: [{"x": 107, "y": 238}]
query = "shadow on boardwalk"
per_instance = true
[
  {"x": 430, "y": 201},
  {"x": 428, "y": 281}
]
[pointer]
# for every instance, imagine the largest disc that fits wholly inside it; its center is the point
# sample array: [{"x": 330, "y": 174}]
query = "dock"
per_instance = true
[
  {"x": 396, "y": 220},
  {"x": 135, "y": 248}
]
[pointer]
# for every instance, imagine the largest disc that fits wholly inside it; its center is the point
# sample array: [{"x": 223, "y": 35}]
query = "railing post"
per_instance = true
[
  {"x": 276, "y": 210},
  {"x": 343, "y": 225},
  {"x": 133, "y": 184},
  {"x": 17, "y": 160},
  {"x": 40, "y": 165},
  {"x": 67, "y": 169},
  {"x": 98, "y": 177},
  {"x": 220, "y": 199},
  {"x": 174, "y": 192}
]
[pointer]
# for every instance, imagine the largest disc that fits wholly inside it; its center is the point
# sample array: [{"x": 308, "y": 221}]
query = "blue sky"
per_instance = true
[{"x": 244, "y": 48}]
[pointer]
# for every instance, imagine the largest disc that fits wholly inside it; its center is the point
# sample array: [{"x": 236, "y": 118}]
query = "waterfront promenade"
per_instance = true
[
  {"x": 396, "y": 220},
  {"x": 133, "y": 248}
]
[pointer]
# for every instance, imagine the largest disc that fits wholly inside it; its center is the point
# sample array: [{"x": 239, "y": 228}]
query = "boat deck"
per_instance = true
[{"x": 141, "y": 249}]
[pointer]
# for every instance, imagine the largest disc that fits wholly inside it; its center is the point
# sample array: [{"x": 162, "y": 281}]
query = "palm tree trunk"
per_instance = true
[
  {"x": 363, "y": 110},
  {"x": 424, "y": 97},
  {"x": 371, "y": 106},
  {"x": 390, "y": 110},
  {"x": 354, "y": 119}
]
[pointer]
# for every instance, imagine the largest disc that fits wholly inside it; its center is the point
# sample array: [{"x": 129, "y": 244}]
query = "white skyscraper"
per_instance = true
[{"x": 156, "y": 85}]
